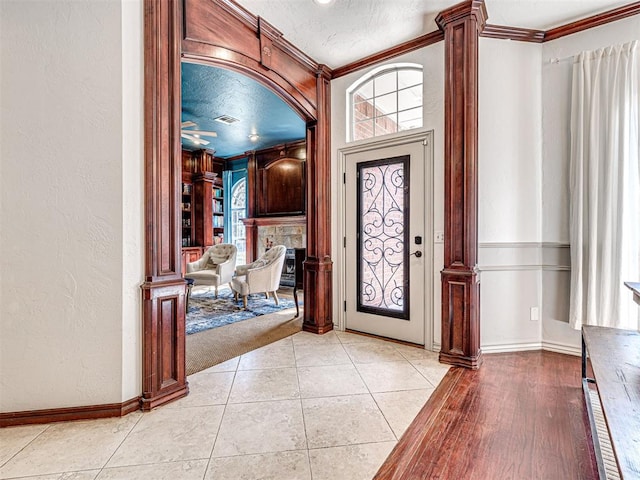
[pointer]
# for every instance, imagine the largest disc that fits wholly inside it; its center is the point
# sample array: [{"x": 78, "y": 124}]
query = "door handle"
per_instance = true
[{"x": 417, "y": 253}]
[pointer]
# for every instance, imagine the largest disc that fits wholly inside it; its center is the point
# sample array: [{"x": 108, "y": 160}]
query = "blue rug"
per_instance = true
[{"x": 206, "y": 312}]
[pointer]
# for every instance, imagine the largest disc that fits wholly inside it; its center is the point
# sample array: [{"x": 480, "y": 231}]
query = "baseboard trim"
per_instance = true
[
  {"x": 562, "y": 348},
  {"x": 532, "y": 346},
  {"x": 90, "y": 412},
  {"x": 511, "y": 347}
]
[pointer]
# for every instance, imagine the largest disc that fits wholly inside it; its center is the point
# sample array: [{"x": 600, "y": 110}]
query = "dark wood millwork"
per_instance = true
[
  {"x": 280, "y": 179},
  {"x": 513, "y": 33},
  {"x": 221, "y": 33},
  {"x": 90, "y": 412},
  {"x": 614, "y": 357},
  {"x": 376, "y": 58},
  {"x": 521, "y": 416},
  {"x": 164, "y": 290},
  {"x": 460, "y": 343},
  {"x": 318, "y": 311},
  {"x": 593, "y": 21},
  {"x": 252, "y": 224},
  {"x": 190, "y": 254}
]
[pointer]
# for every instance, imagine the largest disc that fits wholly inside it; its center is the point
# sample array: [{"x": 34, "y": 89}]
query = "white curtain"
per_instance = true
[{"x": 605, "y": 187}]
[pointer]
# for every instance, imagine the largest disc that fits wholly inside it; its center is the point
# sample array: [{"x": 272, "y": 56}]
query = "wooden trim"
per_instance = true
[
  {"x": 504, "y": 32},
  {"x": 460, "y": 319},
  {"x": 271, "y": 221},
  {"x": 593, "y": 21},
  {"x": 389, "y": 53},
  {"x": 164, "y": 289},
  {"x": 408, "y": 450},
  {"x": 90, "y": 412}
]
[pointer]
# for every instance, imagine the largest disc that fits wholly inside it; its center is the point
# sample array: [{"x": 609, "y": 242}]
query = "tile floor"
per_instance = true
[{"x": 307, "y": 407}]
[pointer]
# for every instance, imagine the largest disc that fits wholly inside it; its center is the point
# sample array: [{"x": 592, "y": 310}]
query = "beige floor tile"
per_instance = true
[
  {"x": 230, "y": 365},
  {"x": 335, "y": 421},
  {"x": 330, "y": 381},
  {"x": 170, "y": 434},
  {"x": 316, "y": 355},
  {"x": 400, "y": 408},
  {"x": 70, "y": 447},
  {"x": 14, "y": 439},
  {"x": 432, "y": 370},
  {"x": 373, "y": 352},
  {"x": 267, "y": 466},
  {"x": 83, "y": 475},
  {"x": 278, "y": 356},
  {"x": 206, "y": 389},
  {"x": 354, "y": 462},
  {"x": 416, "y": 353},
  {"x": 261, "y": 427},
  {"x": 348, "y": 337},
  {"x": 306, "y": 338},
  {"x": 189, "y": 470},
  {"x": 265, "y": 385},
  {"x": 391, "y": 376}
]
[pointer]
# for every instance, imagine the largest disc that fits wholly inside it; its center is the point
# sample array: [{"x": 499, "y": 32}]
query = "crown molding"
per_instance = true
[
  {"x": 593, "y": 21},
  {"x": 463, "y": 10},
  {"x": 406, "y": 47},
  {"x": 504, "y": 32}
]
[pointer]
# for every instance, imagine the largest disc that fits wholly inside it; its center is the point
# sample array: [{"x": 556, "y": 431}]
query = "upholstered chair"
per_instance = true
[
  {"x": 262, "y": 275},
  {"x": 215, "y": 267}
]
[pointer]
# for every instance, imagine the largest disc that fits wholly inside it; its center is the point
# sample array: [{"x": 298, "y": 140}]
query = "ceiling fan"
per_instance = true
[{"x": 195, "y": 136}]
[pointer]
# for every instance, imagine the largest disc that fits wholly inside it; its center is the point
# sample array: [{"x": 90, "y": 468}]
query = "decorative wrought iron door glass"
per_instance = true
[{"x": 383, "y": 213}]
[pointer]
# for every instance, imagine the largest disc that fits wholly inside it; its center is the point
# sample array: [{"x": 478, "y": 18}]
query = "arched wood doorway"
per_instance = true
[{"x": 220, "y": 33}]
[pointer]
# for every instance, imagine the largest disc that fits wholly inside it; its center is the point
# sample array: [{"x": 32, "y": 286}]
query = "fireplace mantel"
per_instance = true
[{"x": 289, "y": 231}]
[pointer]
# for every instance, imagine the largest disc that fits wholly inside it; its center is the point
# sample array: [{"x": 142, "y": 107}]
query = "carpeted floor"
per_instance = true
[
  {"x": 206, "y": 311},
  {"x": 210, "y": 347}
]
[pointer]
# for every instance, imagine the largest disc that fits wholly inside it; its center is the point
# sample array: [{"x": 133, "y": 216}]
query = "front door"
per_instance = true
[{"x": 385, "y": 246}]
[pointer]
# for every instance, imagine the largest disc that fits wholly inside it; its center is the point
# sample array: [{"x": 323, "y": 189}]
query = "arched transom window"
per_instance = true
[{"x": 386, "y": 100}]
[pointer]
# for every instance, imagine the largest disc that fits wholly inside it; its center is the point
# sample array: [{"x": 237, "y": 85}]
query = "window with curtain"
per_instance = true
[
  {"x": 386, "y": 100},
  {"x": 605, "y": 187}
]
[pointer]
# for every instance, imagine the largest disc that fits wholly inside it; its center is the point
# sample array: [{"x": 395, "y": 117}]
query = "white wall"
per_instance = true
[
  {"x": 70, "y": 224},
  {"x": 432, "y": 59},
  {"x": 509, "y": 217},
  {"x": 556, "y": 113}
]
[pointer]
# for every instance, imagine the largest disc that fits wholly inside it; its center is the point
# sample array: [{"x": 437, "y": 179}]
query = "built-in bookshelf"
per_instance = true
[
  {"x": 217, "y": 211},
  {"x": 187, "y": 215}
]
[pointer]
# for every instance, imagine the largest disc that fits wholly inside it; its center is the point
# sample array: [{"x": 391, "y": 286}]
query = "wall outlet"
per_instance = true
[
  {"x": 534, "y": 314},
  {"x": 438, "y": 237}
]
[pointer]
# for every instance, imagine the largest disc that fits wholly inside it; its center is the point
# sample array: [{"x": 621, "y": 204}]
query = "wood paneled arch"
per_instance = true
[{"x": 220, "y": 33}]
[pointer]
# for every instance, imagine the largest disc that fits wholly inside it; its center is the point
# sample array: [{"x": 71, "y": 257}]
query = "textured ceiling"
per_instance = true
[
  {"x": 209, "y": 92},
  {"x": 348, "y": 30},
  {"x": 337, "y": 34}
]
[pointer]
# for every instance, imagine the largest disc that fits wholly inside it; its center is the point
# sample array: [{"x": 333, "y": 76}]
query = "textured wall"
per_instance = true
[{"x": 63, "y": 222}]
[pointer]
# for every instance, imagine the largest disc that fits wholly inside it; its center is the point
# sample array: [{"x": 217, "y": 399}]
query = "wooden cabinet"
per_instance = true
[{"x": 190, "y": 254}]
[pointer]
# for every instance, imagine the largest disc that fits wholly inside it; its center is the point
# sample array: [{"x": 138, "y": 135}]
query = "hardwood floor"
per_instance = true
[{"x": 521, "y": 416}]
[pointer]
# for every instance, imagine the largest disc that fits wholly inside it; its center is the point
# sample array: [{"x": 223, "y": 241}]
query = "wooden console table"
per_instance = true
[{"x": 614, "y": 356}]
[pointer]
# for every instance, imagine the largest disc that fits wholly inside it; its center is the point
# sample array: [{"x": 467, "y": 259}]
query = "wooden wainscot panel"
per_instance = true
[{"x": 281, "y": 180}]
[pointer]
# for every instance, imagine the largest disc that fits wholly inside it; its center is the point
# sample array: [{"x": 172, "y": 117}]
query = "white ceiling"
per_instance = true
[{"x": 348, "y": 30}]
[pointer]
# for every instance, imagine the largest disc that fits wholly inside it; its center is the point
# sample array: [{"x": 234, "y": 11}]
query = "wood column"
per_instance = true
[
  {"x": 202, "y": 206},
  {"x": 163, "y": 292},
  {"x": 318, "y": 298},
  {"x": 460, "y": 345}
]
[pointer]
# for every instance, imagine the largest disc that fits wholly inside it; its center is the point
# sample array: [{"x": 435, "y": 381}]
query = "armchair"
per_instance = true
[
  {"x": 215, "y": 267},
  {"x": 262, "y": 275}
]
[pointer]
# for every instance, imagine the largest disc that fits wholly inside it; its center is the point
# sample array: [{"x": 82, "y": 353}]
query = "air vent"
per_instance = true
[{"x": 226, "y": 119}]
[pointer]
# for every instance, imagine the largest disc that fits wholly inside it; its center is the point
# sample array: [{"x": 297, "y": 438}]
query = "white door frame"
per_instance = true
[{"x": 340, "y": 284}]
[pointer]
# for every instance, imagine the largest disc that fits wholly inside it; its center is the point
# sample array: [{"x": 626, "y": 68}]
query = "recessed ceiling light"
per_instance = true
[
  {"x": 323, "y": 2},
  {"x": 254, "y": 137}
]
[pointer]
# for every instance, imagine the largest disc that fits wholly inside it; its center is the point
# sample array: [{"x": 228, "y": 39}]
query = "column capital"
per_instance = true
[{"x": 461, "y": 11}]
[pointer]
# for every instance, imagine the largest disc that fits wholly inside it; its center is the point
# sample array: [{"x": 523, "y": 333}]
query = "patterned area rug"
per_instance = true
[{"x": 206, "y": 312}]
